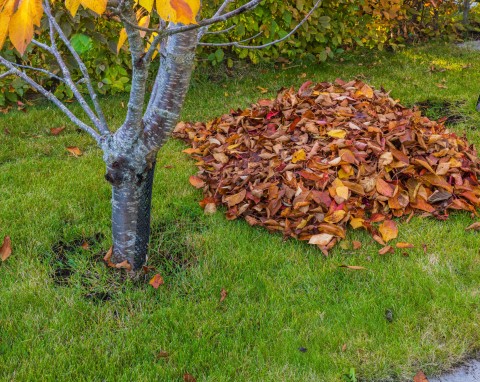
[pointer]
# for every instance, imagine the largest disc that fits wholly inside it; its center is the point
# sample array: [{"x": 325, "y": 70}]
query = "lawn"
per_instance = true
[{"x": 291, "y": 314}]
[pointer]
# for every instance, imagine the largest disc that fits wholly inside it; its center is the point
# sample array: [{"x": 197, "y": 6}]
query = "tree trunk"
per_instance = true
[
  {"x": 466, "y": 11},
  {"x": 131, "y": 203}
]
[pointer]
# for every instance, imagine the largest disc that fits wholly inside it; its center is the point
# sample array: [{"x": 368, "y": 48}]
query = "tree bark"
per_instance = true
[
  {"x": 466, "y": 11},
  {"x": 131, "y": 204}
]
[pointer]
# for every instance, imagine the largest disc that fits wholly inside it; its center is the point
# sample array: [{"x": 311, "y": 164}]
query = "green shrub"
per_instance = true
[{"x": 335, "y": 26}]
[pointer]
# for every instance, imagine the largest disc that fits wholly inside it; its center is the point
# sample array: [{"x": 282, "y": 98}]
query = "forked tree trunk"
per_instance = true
[{"x": 131, "y": 205}]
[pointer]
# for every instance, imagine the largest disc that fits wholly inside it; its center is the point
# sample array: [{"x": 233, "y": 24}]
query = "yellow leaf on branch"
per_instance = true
[
  {"x": 178, "y": 11},
  {"x": 26, "y": 14},
  {"x": 98, "y": 6}
]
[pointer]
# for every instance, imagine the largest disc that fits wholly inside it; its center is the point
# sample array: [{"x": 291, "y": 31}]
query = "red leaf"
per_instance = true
[{"x": 156, "y": 281}]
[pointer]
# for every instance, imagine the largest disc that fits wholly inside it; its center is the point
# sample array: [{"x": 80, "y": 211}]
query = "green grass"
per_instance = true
[{"x": 87, "y": 323}]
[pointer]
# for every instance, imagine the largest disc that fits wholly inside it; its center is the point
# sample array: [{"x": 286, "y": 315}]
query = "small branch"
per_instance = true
[
  {"x": 50, "y": 74},
  {"x": 221, "y": 31},
  {"x": 222, "y": 8},
  {"x": 232, "y": 43},
  {"x": 103, "y": 126},
  {"x": 216, "y": 19},
  {"x": 238, "y": 44},
  {"x": 50, "y": 97},
  {"x": 6, "y": 74}
]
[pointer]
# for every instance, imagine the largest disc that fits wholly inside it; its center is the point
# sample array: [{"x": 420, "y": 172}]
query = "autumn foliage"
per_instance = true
[{"x": 331, "y": 155}]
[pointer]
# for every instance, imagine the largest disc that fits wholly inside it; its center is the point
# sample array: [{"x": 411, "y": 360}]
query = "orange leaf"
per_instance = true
[
  {"x": 383, "y": 188},
  {"x": 178, "y": 11},
  {"x": 385, "y": 250},
  {"x": 6, "y": 248},
  {"x": 56, "y": 130},
  {"x": 156, "y": 281},
  {"x": 124, "y": 265},
  {"x": 389, "y": 230},
  {"x": 420, "y": 377},
  {"x": 196, "y": 182},
  {"x": 188, "y": 377},
  {"x": 404, "y": 245},
  {"x": 223, "y": 294},
  {"x": 233, "y": 200},
  {"x": 475, "y": 226},
  {"x": 75, "y": 151}
]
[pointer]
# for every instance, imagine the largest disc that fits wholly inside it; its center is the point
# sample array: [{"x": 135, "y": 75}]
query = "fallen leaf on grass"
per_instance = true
[
  {"x": 196, "y": 182},
  {"x": 210, "y": 208},
  {"x": 189, "y": 378},
  {"x": 404, "y": 245},
  {"x": 75, "y": 151},
  {"x": 156, "y": 281},
  {"x": 124, "y": 265},
  {"x": 385, "y": 250},
  {"x": 6, "y": 248},
  {"x": 223, "y": 294},
  {"x": 475, "y": 226},
  {"x": 356, "y": 244},
  {"x": 162, "y": 354},
  {"x": 420, "y": 377},
  {"x": 388, "y": 230},
  {"x": 344, "y": 347},
  {"x": 56, "y": 130},
  {"x": 354, "y": 267},
  {"x": 85, "y": 246}
]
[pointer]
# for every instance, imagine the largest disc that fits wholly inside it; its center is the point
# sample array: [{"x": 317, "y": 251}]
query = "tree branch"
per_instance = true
[
  {"x": 238, "y": 44},
  {"x": 103, "y": 127},
  {"x": 6, "y": 74},
  {"x": 50, "y": 74},
  {"x": 50, "y": 97}
]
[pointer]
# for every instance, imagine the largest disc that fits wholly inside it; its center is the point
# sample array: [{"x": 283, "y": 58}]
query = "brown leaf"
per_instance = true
[
  {"x": 383, "y": 188},
  {"x": 385, "y": 250},
  {"x": 156, "y": 281},
  {"x": 321, "y": 239},
  {"x": 344, "y": 347},
  {"x": 233, "y": 200},
  {"x": 189, "y": 378},
  {"x": 108, "y": 256},
  {"x": 354, "y": 267},
  {"x": 124, "y": 265},
  {"x": 75, "y": 151},
  {"x": 56, "y": 130},
  {"x": 475, "y": 226},
  {"x": 356, "y": 244},
  {"x": 210, "y": 208},
  {"x": 404, "y": 245},
  {"x": 163, "y": 354},
  {"x": 85, "y": 246},
  {"x": 223, "y": 294},
  {"x": 389, "y": 230},
  {"x": 196, "y": 182},
  {"x": 6, "y": 248},
  {"x": 420, "y": 377}
]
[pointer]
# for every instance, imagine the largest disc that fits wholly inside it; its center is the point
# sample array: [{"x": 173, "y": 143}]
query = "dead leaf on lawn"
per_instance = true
[
  {"x": 223, "y": 294},
  {"x": 475, "y": 227},
  {"x": 357, "y": 244},
  {"x": 354, "y": 267},
  {"x": 189, "y": 378},
  {"x": 386, "y": 249},
  {"x": 389, "y": 230},
  {"x": 6, "y": 248},
  {"x": 404, "y": 245},
  {"x": 156, "y": 281},
  {"x": 420, "y": 377},
  {"x": 196, "y": 182},
  {"x": 56, "y": 130},
  {"x": 74, "y": 150}
]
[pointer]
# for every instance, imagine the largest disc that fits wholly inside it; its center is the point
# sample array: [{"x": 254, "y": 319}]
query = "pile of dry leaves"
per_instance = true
[{"x": 312, "y": 161}]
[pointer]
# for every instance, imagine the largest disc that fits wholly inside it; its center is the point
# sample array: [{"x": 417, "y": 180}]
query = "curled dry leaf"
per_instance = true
[
  {"x": 6, "y": 248},
  {"x": 223, "y": 294},
  {"x": 74, "y": 150},
  {"x": 404, "y": 245},
  {"x": 196, "y": 182},
  {"x": 124, "y": 265},
  {"x": 388, "y": 230},
  {"x": 385, "y": 250},
  {"x": 356, "y": 244},
  {"x": 156, "y": 281},
  {"x": 56, "y": 130},
  {"x": 420, "y": 377},
  {"x": 189, "y": 378},
  {"x": 475, "y": 226},
  {"x": 317, "y": 160},
  {"x": 354, "y": 267}
]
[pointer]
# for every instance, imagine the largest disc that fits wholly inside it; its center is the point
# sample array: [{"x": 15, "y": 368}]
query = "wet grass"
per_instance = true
[{"x": 290, "y": 313}]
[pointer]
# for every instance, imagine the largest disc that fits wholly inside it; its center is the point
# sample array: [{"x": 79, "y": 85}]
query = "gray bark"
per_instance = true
[{"x": 466, "y": 11}]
